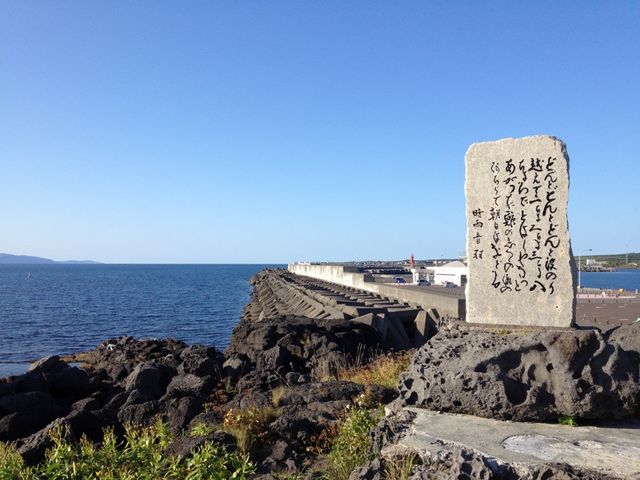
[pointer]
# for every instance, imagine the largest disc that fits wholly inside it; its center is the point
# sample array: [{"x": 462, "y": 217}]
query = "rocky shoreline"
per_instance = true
[{"x": 287, "y": 365}]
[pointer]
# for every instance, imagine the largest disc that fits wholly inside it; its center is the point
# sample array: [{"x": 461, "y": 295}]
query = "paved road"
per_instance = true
[{"x": 607, "y": 312}]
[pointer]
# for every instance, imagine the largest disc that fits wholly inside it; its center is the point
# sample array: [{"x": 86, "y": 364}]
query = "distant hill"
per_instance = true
[{"x": 8, "y": 259}]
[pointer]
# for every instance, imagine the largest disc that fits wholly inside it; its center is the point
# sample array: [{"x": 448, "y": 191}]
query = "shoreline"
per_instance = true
[{"x": 299, "y": 365}]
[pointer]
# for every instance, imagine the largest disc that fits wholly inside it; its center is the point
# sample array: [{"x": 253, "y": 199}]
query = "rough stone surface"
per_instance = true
[
  {"x": 523, "y": 376},
  {"x": 521, "y": 269},
  {"x": 461, "y": 446}
]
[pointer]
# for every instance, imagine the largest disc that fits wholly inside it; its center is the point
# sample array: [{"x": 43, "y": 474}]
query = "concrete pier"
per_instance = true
[{"x": 447, "y": 302}]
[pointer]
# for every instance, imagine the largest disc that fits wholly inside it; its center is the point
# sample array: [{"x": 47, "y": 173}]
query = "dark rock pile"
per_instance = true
[
  {"x": 125, "y": 381},
  {"x": 526, "y": 376}
]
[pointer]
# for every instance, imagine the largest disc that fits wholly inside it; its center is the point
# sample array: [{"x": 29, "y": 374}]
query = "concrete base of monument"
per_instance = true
[{"x": 613, "y": 450}]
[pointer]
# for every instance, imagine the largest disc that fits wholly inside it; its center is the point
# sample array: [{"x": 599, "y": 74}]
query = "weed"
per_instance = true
[
  {"x": 399, "y": 467},
  {"x": 212, "y": 461},
  {"x": 202, "y": 430},
  {"x": 350, "y": 447},
  {"x": 11, "y": 463},
  {"x": 567, "y": 420},
  {"x": 381, "y": 370},
  {"x": 277, "y": 394},
  {"x": 229, "y": 388},
  {"x": 139, "y": 456},
  {"x": 249, "y": 425}
]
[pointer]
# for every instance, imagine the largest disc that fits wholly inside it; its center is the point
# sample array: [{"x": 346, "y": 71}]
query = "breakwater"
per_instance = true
[{"x": 446, "y": 304}]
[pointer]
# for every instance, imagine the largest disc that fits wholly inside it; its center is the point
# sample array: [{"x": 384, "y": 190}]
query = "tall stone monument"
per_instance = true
[{"x": 521, "y": 268}]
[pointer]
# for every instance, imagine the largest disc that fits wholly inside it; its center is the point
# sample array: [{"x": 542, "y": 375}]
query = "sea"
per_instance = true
[
  {"x": 62, "y": 309},
  {"x": 626, "y": 278}
]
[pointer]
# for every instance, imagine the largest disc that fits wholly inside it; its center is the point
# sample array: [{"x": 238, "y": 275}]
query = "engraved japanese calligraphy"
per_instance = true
[{"x": 521, "y": 269}]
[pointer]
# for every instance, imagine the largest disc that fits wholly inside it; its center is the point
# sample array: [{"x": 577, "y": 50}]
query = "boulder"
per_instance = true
[
  {"x": 70, "y": 382},
  {"x": 148, "y": 378},
  {"x": 21, "y": 424},
  {"x": 626, "y": 336},
  {"x": 523, "y": 376},
  {"x": 180, "y": 411},
  {"x": 34, "y": 447},
  {"x": 188, "y": 385},
  {"x": 235, "y": 365},
  {"x": 35, "y": 381},
  {"x": 199, "y": 360},
  {"x": 141, "y": 414},
  {"x": 50, "y": 364}
]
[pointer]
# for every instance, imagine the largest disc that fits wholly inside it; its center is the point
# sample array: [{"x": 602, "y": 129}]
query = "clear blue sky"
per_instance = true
[{"x": 207, "y": 132}]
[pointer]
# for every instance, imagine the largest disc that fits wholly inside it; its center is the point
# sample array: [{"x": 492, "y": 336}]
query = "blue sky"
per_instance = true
[{"x": 206, "y": 132}]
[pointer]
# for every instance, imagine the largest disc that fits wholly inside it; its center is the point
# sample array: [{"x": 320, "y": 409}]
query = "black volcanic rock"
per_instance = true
[
  {"x": 297, "y": 344},
  {"x": 125, "y": 381},
  {"x": 524, "y": 376}
]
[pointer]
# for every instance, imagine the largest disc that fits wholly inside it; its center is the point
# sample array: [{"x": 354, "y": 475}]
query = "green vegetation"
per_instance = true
[
  {"x": 382, "y": 370},
  {"x": 350, "y": 447},
  {"x": 140, "y": 456},
  {"x": 399, "y": 467},
  {"x": 202, "y": 430},
  {"x": 614, "y": 260},
  {"x": 567, "y": 420},
  {"x": 249, "y": 426}
]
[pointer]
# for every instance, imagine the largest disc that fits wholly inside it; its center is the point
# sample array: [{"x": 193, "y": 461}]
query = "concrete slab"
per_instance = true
[{"x": 614, "y": 450}]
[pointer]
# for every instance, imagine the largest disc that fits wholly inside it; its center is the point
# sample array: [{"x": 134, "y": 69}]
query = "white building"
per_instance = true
[{"x": 455, "y": 272}]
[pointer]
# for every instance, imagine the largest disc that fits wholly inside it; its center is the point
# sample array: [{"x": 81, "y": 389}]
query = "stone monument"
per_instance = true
[{"x": 521, "y": 268}]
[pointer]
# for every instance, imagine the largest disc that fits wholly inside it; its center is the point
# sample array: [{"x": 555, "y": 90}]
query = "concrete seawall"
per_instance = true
[{"x": 444, "y": 304}]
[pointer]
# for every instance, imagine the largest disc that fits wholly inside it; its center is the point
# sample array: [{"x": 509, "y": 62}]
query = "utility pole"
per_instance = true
[{"x": 580, "y": 266}]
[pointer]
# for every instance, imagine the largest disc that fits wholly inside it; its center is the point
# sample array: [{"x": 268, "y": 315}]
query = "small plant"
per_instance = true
[
  {"x": 214, "y": 462},
  {"x": 229, "y": 388},
  {"x": 567, "y": 420},
  {"x": 350, "y": 447},
  {"x": 277, "y": 394},
  {"x": 249, "y": 425},
  {"x": 399, "y": 467},
  {"x": 202, "y": 430},
  {"x": 11, "y": 464}
]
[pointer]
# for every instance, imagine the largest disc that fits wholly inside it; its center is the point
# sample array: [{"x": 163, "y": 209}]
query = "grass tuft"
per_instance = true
[
  {"x": 399, "y": 467},
  {"x": 352, "y": 442},
  {"x": 249, "y": 426},
  {"x": 381, "y": 370}
]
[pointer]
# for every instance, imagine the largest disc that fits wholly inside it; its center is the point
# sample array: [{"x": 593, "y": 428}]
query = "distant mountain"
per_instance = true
[{"x": 8, "y": 259}]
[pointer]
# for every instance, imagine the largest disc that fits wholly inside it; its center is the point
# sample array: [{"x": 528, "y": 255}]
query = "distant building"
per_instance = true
[
  {"x": 454, "y": 272},
  {"x": 592, "y": 262},
  {"x": 593, "y": 265}
]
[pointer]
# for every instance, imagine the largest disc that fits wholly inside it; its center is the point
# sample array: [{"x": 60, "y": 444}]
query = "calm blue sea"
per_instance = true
[
  {"x": 58, "y": 309},
  {"x": 629, "y": 279}
]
